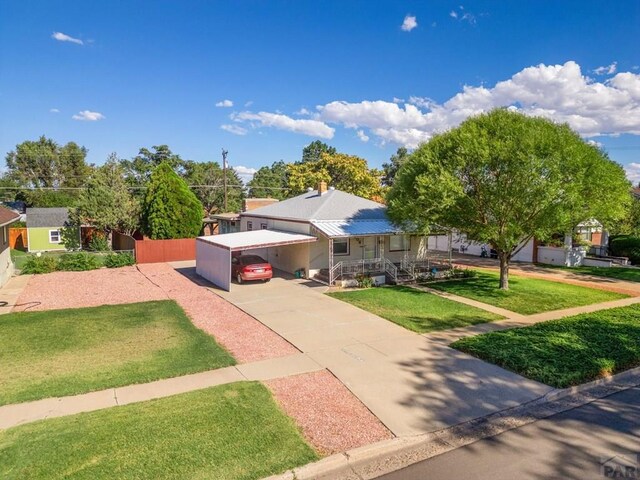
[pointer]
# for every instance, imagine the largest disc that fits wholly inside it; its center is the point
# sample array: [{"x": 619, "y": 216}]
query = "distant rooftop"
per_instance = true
[{"x": 47, "y": 217}]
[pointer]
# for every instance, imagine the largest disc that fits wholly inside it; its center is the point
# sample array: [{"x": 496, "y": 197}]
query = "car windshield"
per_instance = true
[{"x": 251, "y": 259}]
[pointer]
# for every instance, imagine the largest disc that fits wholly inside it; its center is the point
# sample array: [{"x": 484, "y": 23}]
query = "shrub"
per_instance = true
[
  {"x": 626, "y": 246},
  {"x": 18, "y": 224},
  {"x": 35, "y": 265},
  {"x": 115, "y": 260},
  {"x": 78, "y": 262},
  {"x": 98, "y": 243},
  {"x": 365, "y": 281}
]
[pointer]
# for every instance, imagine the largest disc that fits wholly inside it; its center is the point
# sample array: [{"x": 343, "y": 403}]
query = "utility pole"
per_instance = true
[{"x": 224, "y": 176}]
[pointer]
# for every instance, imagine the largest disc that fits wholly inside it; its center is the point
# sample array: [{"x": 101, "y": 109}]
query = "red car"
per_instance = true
[{"x": 250, "y": 267}]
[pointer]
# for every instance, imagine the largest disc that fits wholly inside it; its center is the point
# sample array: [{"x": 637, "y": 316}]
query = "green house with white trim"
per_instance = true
[{"x": 44, "y": 228}]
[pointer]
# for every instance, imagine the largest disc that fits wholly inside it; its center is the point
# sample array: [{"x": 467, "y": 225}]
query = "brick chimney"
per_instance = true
[{"x": 322, "y": 188}]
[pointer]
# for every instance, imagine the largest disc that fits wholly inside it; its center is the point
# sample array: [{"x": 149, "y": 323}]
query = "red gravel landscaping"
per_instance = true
[
  {"x": 332, "y": 419},
  {"x": 243, "y": 336}
]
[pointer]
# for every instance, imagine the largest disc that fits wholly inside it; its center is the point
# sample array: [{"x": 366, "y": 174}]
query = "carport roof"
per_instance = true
[{"x": 256, "y": 239}]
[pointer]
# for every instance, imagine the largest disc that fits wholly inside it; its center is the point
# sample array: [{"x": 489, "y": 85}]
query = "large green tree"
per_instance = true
[
  {"x": 170, "y": 209},
  {"x": 390, "y": 169},
  {"x": 344, "y": 172},
  {"x": 502, "y": 178},
  {"x": 107, "y": 202},
  {"x": 270, "y": 182},
  {"x": 49, "y": 175},
  {"x": 138, "y": 170},
  {"x": 206, "y": 180},
  {"x": 314, "y": 151}
]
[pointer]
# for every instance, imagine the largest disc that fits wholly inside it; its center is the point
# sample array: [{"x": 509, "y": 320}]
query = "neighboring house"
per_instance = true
[
  {"x": 44, "y": 228},
  {"x": 590, "y": 231},
  {"x": 7, "y": 217},
  {"x": 324, "y": 233},
  {"x": 230, "y": 222}
]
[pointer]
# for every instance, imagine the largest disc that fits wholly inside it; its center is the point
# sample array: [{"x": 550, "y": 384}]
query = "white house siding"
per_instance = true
[
  {"x": 284, "y": 225},
  {"x": 289, "y": 258},
  {"x": 319, "y": 251}
]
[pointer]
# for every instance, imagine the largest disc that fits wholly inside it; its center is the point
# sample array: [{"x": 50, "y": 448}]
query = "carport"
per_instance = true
[{"x": 214, "y": 252}]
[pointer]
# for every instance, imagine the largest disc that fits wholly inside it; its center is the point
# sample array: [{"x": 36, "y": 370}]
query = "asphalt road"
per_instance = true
[{"x": 571, "y": 445}]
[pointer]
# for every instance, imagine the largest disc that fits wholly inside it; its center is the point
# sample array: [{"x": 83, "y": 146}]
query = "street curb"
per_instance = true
[{"x": 371, "y": 461}]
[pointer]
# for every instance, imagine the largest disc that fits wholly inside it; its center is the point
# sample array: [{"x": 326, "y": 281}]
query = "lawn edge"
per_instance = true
[{"x": 376, "y": 459}]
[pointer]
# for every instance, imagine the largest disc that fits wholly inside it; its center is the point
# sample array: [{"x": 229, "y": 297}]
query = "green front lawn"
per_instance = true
[
  {"x": 66, "y": 352},
  {"x": 233, "y": 431},
  {"x": 565, "y": 352},
  {"x": 525, "y": 295},
  {"x": 415, "y": 310},
  {"x": 619, "y": 273}
]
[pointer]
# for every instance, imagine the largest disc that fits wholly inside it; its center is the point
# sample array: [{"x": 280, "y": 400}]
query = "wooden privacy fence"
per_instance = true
[
  {"x": 154, "y": 251},
  {"x": 18, "y": 238}
]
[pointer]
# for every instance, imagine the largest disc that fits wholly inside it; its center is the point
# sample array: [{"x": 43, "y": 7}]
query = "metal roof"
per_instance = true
[
  {"x": 47, "y": 217},
  {"x": 331, "y": 205},
  {"x": 256, "y": 239},
  {"x": 349, "y": 228}
]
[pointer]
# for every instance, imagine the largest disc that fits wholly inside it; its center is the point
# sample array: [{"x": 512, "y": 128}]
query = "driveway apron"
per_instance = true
[{"x": 411, "y": 383}]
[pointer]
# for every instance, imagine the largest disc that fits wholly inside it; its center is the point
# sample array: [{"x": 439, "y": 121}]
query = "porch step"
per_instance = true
[{"x": 322, "y": 275}]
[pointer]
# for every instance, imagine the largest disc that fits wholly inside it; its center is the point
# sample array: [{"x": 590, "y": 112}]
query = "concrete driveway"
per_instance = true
[{"x": 412, "y": 384}]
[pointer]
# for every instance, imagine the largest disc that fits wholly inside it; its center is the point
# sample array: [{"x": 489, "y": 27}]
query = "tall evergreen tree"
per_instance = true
[{"x": 170, "y": 209}]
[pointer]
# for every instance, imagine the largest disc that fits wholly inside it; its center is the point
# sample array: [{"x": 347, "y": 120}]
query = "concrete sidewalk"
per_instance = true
[
  {"x": 412, "y": 383},
  {"x": 11, "y": 291},
  {"x": 16, "y": 414}
]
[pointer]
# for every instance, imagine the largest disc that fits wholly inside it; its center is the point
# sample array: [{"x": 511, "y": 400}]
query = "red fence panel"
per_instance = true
[{"x": 154, "y": 251}]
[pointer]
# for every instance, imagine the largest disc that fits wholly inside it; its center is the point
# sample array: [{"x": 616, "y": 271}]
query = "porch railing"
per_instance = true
[{"x": 357, "y": 267}]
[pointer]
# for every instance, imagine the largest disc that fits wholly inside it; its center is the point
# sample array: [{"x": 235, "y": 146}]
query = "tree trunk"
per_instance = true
[{"x": 504, "y": 270}]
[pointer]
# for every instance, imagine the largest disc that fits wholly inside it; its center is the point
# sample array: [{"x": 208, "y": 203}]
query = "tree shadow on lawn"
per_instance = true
[{"x": 563, "y": 352}]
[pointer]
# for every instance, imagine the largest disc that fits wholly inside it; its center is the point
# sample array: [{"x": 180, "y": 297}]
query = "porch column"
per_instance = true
[{"x": 330, "y": 261}]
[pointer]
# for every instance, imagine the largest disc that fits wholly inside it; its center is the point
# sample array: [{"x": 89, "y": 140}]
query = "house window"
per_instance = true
[
  {"x": 249, "y": 225},
  {"x": 398, "y": 243},
  {"x": 263, "y": 226},
  {"x": 54, "y": 236},
  {"x": 341, "y": 246}
]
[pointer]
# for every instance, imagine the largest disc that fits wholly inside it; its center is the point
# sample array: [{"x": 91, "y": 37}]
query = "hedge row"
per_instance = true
[
  {"x": 76, "y": 262},
  {"x": 626, "y": 246}
]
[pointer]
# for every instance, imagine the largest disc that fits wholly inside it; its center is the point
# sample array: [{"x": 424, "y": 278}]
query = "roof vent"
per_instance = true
[
  {"x": 309, "y": 189},
  {"x": 332, "y": 188}
]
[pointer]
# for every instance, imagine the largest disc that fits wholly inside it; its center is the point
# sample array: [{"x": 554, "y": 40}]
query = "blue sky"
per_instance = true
[{"x": 117, "y": 76}]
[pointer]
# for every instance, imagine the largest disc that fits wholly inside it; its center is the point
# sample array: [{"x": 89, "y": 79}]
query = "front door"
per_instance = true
[{"x": 369, "y": 248}]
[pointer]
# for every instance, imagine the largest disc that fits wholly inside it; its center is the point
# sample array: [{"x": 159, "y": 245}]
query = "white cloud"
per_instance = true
[
  {"x": 559, "y": 92},
  {"x": 633, "y": 172},
  {"x": 362, "y": 136},
  {"x": 62, "y": 37},
  {"x": 88, "y": 116},
  {"x": 54, "y": 110},
  {"x": 398, "y": 100},
  {"x": 245, "y": 173},
  {"x": 313, "y": 128},
  {"x": 606, "y": 70},
  {"x": 635, "y": 67},
  {"x": 303, "y": 112},
  {"x": 235, "y": 129},
  {"x": 224, "y": 104},
  {"x": 463, "y": 16},
  {"x": 409, "y": 23},
  {"x": 249, "y": 103}
]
